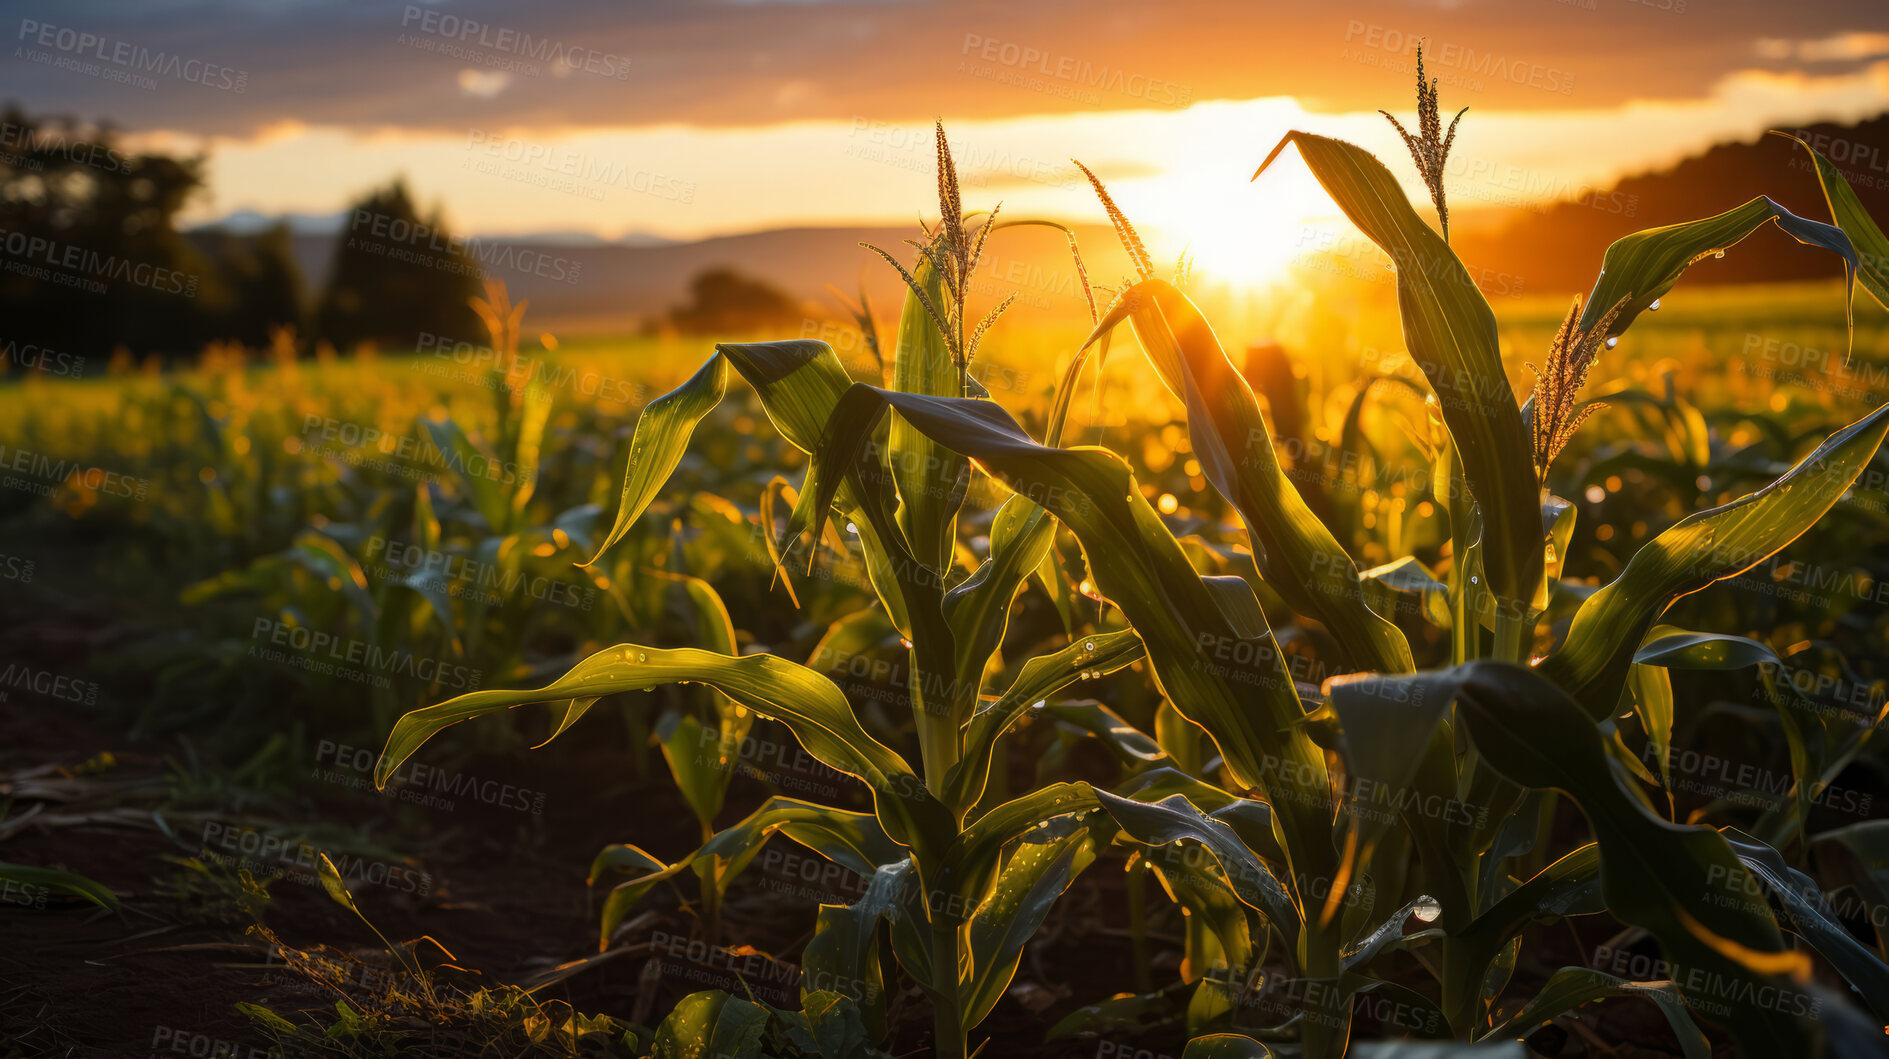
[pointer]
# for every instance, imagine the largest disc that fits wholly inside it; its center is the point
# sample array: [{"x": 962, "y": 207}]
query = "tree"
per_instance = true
[
  {"x": 397, "y": 274},
  {"x": 723, "y": 301}
]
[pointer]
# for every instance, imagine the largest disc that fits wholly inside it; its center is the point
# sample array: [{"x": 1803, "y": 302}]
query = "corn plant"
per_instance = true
[{"x": 1282, "y": 803}]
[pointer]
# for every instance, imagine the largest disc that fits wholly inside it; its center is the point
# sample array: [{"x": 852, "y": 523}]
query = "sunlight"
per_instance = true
[{"x": 1245, "y": 234}]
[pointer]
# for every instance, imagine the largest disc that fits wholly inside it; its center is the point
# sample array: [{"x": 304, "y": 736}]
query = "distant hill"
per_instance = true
[
  {"x": 579, "y": 284},
  {"x": 1560, "y": 247}
]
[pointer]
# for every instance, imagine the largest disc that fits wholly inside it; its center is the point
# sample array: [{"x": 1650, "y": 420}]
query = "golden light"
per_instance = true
[{"x": 1239, "y": 232}]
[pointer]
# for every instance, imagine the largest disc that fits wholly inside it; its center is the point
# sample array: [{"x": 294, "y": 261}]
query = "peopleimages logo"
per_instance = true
[
  {"x": 136, "y": 58},
  {"x": 561, "y": 57},
  {"x": 347, "y": 657}
]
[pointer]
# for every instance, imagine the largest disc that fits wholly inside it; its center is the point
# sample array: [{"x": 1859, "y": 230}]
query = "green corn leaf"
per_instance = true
[
  {"x": 1012, "y": 911},
  {"x": 1701, "y": 548},
  {"x": 1128, "y": 1015},
  {"x": 1570, "y": 987},
  {"x": 1872, "y": 248},
  {"x": 928, "y": 474},
  {"x": 808, "y": 703},
  {"x": 1677, "y": 882},
  {"x": 699, "y": 777},
  {"x": 1199, "y": 886},
  {"x": 1130, "y": 745},
  {"x": 1383, "y": 718},
  {"x": 855, "y": 841},
  {"x": 1811, "y": 918},
  {"x": 978, "y": 608},
  {"x": 1672, "y": 648},
  {"x": 662, "y": 436},
  {"x": 533, "y": 413},
  {"x": 1856, "y": 859},
  {"x": 842, "y": 959},
  {"x": 1226, "y": 1046},
  {"x": 711, "y": 1025},
  {"x": 1451, "y": 334},
  {"x": 973, "y": 860},
  {"x": 1040, "y": 677},
  {"x": 480, "y": 475},
  {"x": 1646, "y": 264},
  {"x": 1175, "y": 819},
  {"x": 1296, "y": 553}
]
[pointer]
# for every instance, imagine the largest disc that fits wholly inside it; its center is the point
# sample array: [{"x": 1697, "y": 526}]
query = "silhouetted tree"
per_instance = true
[
  {"x": 723, "y": 301},
  {"x": 397, "y": 273},
  {"x": 89, "y": 256}
]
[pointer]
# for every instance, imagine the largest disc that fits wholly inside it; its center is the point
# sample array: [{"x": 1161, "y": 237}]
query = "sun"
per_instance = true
[{"x": 1245, "y": 234}]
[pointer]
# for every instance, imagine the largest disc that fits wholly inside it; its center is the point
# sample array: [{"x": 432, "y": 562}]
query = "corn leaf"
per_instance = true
[
  {"x": 711, "y": 1025},
  {"x": 1810, "y": 917},
  {"x": 1872, "y": 248},
  {"x": 662, "y": 436},
  {"x": 1451, "y": 333},
  {"x": 1226, "y": 1046},
  {"x": 1570, "y": 987},
  {"x": 1040, "y": 677},
  {"x": 808, "y": 703},
  {"x": 1032, "y": 879},
  {"x": 842, "y": 958},
  {"x": 928, "y": 474},
  {"x": 1296, "y": 553},
  {"x": 1677, "y": 882},
  {"x": 855, "y": 841},
  {"x": 1701, "y": 548},
  {"x": 1645, "y": 265}
]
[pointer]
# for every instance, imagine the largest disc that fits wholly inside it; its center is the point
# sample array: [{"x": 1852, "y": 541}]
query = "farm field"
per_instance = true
[
  {"x": 1301, "y": 586},
  {"x": 218, "y": 594}
]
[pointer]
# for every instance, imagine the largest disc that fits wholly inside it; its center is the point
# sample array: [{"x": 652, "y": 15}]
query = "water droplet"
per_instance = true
[
  {"x": 1612, "y": 342},
  {"x": 1603, "y": 272},
  {"x": 642, "y": 656},
  {"x": 1039, "y": 704},
  {"x": 903, "y": 642},
  {"x": 850, "y": 528},
  {"x": 1089, "y": 646},
  {"x": 1474, "y": 580},
  {"x": 1654, "y": 307},
  {"x": 1718, "y": 253},
  {"x": 1427, "y": 909}
]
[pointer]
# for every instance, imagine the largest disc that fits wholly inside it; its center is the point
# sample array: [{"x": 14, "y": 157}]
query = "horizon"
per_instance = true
[{"x": 518, "y": 124}]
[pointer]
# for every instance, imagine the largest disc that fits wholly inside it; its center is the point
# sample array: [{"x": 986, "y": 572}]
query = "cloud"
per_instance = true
[
  {"x": 484, "y": 84},
  {"x": 598, "y": 63}
]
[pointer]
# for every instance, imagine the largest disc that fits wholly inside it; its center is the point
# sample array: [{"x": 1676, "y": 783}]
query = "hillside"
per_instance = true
[{"x": 1560, "y": 247}]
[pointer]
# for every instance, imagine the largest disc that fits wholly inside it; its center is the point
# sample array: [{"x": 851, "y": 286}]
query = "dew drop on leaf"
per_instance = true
[
  {"x": 1427, "y": 909},
  {"x": 1612, "y": 342},
  {"x": 1653, "y": 307}
]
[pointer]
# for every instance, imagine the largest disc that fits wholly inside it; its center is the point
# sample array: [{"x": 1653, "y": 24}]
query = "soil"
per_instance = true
[{"x": 502, "y": 888}]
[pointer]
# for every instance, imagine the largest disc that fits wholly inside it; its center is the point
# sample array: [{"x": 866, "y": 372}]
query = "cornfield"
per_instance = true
[{"x": 1417, "y": 703}]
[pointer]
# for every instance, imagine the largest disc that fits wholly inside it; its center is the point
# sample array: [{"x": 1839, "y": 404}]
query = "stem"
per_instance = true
[
  {"x": 1510, "y": 634},
  {"x": 1138, "y": 926},
  {"x": 937, "y": 746},
  {"x": 948, "y": 1026},
  {"x": 711, "y": 893}
]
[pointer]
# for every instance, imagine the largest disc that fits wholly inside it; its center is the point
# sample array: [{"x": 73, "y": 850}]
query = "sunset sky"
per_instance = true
[{"x": 622, "y": 118}]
